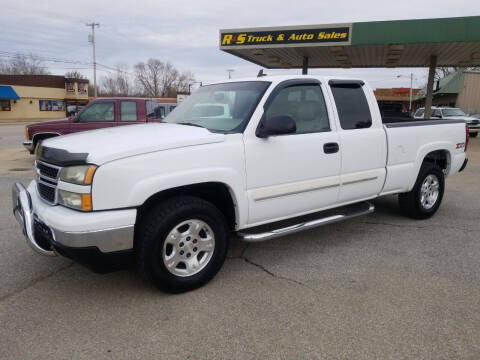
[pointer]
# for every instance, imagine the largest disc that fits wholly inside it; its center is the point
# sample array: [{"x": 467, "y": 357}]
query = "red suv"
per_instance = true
[{"x": 98, "y": 114}]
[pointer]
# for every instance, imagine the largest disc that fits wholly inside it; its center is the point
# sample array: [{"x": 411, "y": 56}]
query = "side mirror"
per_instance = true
[{"x": 276, "y": 125}]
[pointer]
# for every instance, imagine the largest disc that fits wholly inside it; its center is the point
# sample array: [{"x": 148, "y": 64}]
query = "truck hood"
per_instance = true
[
  {"x": 47, "y": 124},
  {"x": 104, "y": 145}
]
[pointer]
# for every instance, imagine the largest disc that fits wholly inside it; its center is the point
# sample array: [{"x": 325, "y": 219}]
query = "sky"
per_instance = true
[{"x": 186, "y": 33}]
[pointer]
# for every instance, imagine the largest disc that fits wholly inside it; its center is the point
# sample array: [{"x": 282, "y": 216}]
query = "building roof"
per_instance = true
[
  {"x": 51, "y": 81},
  {"x": 402, "y": 43},
  {"x": 395, "y": 94},
  {"x": 449, "y": 84}
]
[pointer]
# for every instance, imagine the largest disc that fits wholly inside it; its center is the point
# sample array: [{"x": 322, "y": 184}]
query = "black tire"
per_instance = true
[
  {"x": 473, "y": 134},
  {"x": 411, "y": 204},
  {"x": 151, "y": 234}
]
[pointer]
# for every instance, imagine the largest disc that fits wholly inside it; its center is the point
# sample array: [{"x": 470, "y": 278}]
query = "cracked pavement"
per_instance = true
[{"x": 379, "y": 286}]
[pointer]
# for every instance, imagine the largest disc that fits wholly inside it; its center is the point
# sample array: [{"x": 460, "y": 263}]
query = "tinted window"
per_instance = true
[
  {"x": 420, "y": 112},
  {"x": 155, "y": 110},
  {"x": 98, "y": 112},
  {"x": 453, "y": 112},
  {"x": 305, "y": 104},
  {"x": 352, "y": 106},
  {"x": 436, "y": 113},
  {"x": 128, "y": 111},
  {"x": 172, "y": 107}
]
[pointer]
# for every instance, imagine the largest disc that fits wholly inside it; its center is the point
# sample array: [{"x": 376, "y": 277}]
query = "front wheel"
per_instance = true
[
  {"x": 181, "y": 244},
  {"x": 427, "y": 194}
]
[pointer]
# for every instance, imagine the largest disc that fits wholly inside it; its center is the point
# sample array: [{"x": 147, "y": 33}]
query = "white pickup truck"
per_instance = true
[{"x": 291, "y": 153}]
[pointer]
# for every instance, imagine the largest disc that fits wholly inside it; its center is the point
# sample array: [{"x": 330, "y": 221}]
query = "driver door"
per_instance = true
[
  {"x": 98, "y": 115},
  {"x": 298, "y": 173}
]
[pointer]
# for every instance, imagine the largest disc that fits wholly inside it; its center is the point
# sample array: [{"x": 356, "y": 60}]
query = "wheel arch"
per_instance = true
[
  {"x": 218, "y": 193},
  {"x": 42, "y": 136},
  {"x": 440, "y": 156}
]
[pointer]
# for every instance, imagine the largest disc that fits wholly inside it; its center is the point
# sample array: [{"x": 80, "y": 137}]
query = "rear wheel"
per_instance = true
[
  {"x": 427, "y": 194},
  {"x": 181, "y": 244},
  {"x": 473, "y": 134}
]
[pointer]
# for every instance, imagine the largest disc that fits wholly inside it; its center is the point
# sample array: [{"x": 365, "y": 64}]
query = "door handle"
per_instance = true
[{"x": 330, "y": 148}]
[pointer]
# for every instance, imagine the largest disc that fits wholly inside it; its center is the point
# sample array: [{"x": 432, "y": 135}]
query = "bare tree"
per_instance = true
[
  {"x": 75, "y": 74},
  {"x": 22, "y": 64},
  {"x": 117, "y": 83},
  {"x": 441, "y": 72},
  {"x": 158, "y": 79}
]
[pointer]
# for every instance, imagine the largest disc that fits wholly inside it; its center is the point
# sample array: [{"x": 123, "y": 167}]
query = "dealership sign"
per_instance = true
[{"x": 276, "y": 37}]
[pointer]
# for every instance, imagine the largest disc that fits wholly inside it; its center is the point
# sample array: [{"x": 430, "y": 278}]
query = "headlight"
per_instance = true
[
  {"x": 74, "y": 200},
  {"x": 80, "y": 175}
]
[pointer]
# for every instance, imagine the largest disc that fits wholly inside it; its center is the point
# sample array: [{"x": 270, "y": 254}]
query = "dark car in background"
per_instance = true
[{"x": 98, "y": 114}]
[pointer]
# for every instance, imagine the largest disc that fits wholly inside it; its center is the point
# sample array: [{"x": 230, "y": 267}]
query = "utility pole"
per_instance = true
[
  {"x": 411, "y": 90},
  {"x": 230, "y": 73},
  {"x": 91, "y": 39}
]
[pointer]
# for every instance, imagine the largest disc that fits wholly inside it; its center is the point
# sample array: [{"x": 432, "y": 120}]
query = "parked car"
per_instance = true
[
  {"x": 98, "y": 114},
  {"x": 452, "y": 113},
  {"x": 294, "y": 153}
]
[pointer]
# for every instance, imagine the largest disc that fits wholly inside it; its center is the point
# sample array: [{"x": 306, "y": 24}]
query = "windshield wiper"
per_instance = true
[{"x": 190, "y": 124}]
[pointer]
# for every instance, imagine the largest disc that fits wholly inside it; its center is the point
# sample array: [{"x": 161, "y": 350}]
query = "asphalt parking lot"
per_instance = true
[{"x": 380, "y": 286}]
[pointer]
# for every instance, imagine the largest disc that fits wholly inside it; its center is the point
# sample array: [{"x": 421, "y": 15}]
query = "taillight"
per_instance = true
[
  {"x": 467, "y": 137},
  {"x": 27, "y": 137}
]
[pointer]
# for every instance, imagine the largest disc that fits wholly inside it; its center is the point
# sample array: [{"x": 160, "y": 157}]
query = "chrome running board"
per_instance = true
[{"x": 329, "y": 217}]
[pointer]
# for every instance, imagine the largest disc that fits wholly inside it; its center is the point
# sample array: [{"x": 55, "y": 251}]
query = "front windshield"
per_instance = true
[
  {"x": 452, "y": 112},
  {"x": 220, "y": 107}
]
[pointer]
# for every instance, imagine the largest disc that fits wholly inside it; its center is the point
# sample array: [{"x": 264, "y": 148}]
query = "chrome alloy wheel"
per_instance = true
[
  {"x": 429, "y": 191},
  {"x": 188, "y": 247}
]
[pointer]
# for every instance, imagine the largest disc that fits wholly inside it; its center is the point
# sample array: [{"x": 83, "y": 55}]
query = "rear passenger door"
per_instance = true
[
  {"x": 362, "y": 141},
  {"x": 128, "y": 112}
]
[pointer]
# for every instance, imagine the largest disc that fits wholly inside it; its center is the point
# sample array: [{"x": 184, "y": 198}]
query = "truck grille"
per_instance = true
[
  {"x": 47, "y": 170},
  {"x": 47, "y": 180},
  {"x": 46, "y": 192}
]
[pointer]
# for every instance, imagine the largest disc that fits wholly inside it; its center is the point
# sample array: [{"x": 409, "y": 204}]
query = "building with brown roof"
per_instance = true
[{"x": 25, "y": 97}]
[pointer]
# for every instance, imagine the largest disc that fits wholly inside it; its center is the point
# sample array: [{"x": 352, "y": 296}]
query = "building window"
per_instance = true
[
  {"x": 82, "y": 87},
  {"x": 5, "y": 105},
  {"x": 70, "y": 87},
  {"x": 45, "y": 105},
  {"x": 58, "y": 105}
]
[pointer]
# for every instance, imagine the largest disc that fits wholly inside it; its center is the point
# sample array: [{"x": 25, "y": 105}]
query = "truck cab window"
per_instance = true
[
  {"x": 155, "y": 110},
  {"x": 98, "y": 112},
  {"x": 419, "y": 112},
  {"x": 352, "y": 106},
  {"x": 436, "y": 113},
  {"x": 128, "y": 111},
  {"x": 305, "y": 104}
]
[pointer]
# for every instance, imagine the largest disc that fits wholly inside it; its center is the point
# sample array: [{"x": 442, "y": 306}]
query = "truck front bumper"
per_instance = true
[
  {"x": 102, "y": 241},
  {"x": 28, "y": 144},
  {"x": 473, "y": 128}
]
